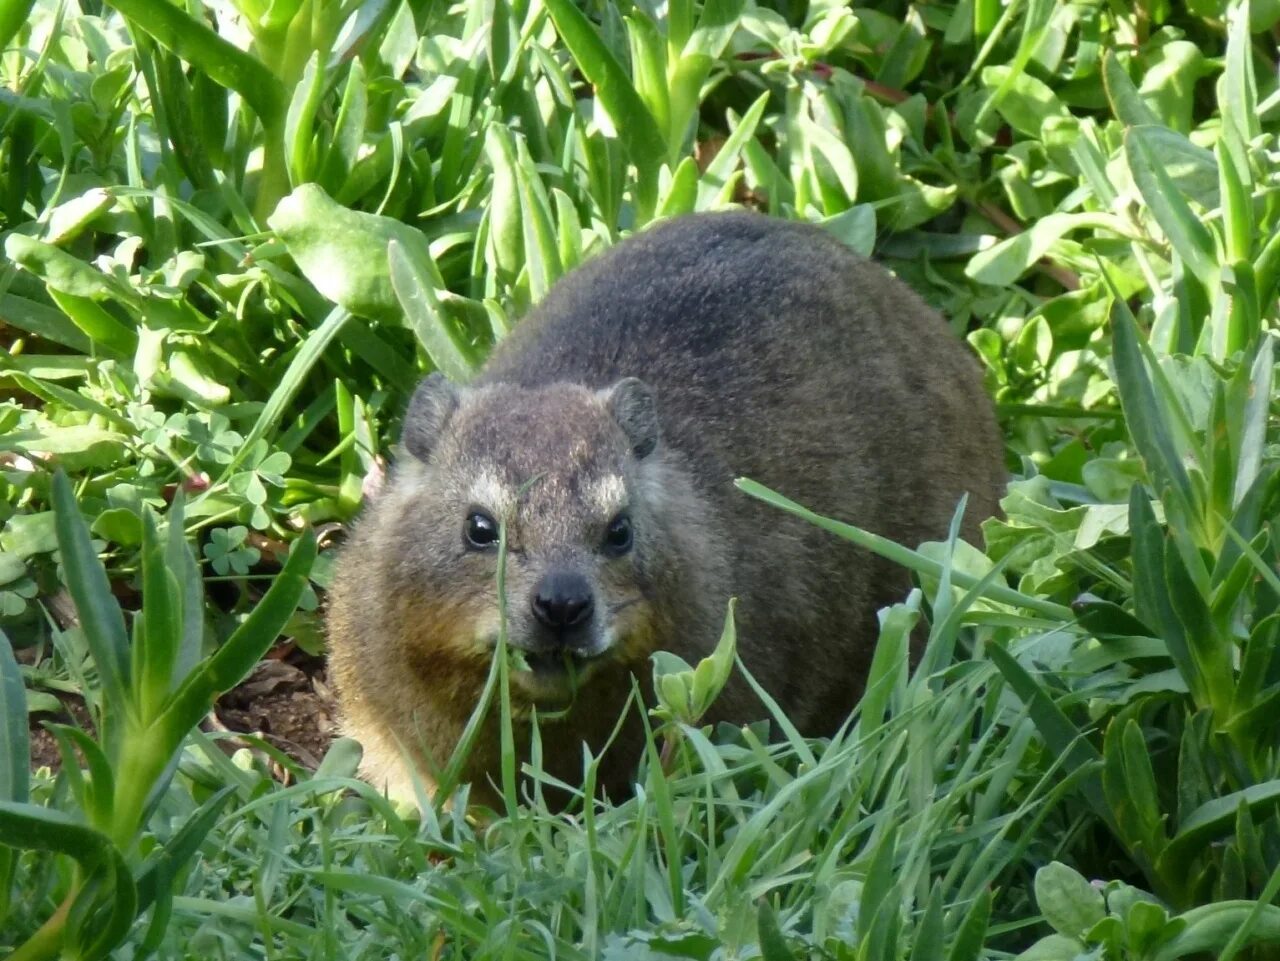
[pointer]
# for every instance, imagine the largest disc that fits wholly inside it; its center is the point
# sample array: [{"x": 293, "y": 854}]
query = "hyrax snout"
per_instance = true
[{"x": 605, "y": 433}]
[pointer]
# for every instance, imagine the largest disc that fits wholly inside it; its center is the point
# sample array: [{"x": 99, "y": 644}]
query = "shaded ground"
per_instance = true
[
  {"x": 285, "y": 701},
  {"x": 288, "y": 703}
]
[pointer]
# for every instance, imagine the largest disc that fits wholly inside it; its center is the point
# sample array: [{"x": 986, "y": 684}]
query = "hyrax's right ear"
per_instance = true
[
  {"x": 631, "y": 403},
  {"x": 429, "y": 410}
]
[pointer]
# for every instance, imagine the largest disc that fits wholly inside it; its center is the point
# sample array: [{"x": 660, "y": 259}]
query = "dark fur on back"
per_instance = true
[{"x": 770, "y": 351}]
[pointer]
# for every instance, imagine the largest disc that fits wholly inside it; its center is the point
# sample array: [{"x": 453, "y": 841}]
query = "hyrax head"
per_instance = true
[{"x": 566, "y": 469}]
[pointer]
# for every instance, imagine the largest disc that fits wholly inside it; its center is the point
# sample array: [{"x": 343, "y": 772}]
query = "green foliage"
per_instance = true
[
  {"x": 1122, "y": 922},
  {"x": 149, "y": 691},
  {"x": 237, "y": 233}
]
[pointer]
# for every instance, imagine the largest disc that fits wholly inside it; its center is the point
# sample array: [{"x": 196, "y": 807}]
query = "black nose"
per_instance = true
[{"x": 562, "y": 600}]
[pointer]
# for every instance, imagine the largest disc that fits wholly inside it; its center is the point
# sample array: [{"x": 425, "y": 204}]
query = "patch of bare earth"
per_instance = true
[
  {"x": 284, "y": 701},
  {"x": 287, "y": 703}
]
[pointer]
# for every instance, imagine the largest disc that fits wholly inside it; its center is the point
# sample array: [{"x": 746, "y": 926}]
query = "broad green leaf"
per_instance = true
[
  {"x": 1126, "y": 103},
  {"x": 688, "y": 72},
  {"x": 838, "y": 156},
  {"x": 43, "y": 321},
  {"x": 1169, "y": 83},
  {"x": 190, "y": 376},
  {"x": 32, "y": 827},
  {"x": 97, "y": 794},
  {"x": 1021, "y": 99},
  {"x": 505, "y": 236},
  {"x": 61, "y": 271},
  {"x": 69, "y": 220},
  {"x": 1054, "y": 947},
  {"x": 681, "y": 193},
  {"x": 1002, "y": 264},
  {"x": 1192, "y": 169},
  {"x": 542, "y": 252},
  {"x": 649, "y": 66},
  {"x": 711, "y": 674},
  {"x": 106, "y": 876},
  {"x": 856, "y": 228},
  {"x": 15, "y": 747},
  {"x": 1067, "y": 900},
  {"x": 344, "y": 252},
  {"x": 99, "y": 612}
]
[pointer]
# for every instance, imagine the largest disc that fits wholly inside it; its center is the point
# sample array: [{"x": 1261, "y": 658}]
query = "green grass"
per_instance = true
[{"x": 236, "y": 235}]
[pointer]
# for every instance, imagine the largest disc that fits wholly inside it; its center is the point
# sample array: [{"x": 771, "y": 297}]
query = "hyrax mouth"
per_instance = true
[
  {"x": 557, "y": 662},
  {"x": 553, "y": 673},
  {"x": 553, "y": 663}
]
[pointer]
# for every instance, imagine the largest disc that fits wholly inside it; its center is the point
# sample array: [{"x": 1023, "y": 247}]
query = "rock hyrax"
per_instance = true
[{"x": 607, "y": 431}]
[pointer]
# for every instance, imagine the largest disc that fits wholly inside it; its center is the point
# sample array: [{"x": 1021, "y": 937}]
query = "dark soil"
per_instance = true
[
  {"x": 44, "y": 746},
  {"x": 285, "y": 702},
  {"x": 288, "y": 704}
]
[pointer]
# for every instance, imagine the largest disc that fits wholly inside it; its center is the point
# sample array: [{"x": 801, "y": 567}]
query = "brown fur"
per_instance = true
[{"x": 768, "y": 351}]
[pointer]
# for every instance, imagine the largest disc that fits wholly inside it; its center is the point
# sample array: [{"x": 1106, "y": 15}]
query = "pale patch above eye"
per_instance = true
[
  {"x": 607, "y": 495},
  {"x": 498, "y": 497}
]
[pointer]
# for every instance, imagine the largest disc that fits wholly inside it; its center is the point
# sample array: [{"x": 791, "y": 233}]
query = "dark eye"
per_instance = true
[
  {"x": 481, "y": 530},
  {"x": 617, "y": 539}
]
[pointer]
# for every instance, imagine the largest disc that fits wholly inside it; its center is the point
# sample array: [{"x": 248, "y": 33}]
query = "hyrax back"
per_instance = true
[{"x": 607, "y": 430}]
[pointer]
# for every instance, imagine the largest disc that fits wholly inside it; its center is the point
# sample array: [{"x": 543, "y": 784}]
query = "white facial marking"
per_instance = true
[
  {"x": 608, "y": 495},
  {"x": 489, "y": 492}
]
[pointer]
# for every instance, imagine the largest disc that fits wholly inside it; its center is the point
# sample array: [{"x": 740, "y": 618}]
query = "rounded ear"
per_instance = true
[
  {"x": 429, "y": 410},
  {"x": 631, "y": 403}
]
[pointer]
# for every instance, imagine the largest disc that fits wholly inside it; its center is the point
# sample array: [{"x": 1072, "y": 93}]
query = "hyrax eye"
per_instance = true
[
  {"x": 481, "y": 530},
  {"x": 619, "y": 536}
]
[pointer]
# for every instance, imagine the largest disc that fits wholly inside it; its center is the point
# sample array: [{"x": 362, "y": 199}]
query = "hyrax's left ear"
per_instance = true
[
  {"x": 429, "y": 410},
  {"x": 631, "y": 403}
]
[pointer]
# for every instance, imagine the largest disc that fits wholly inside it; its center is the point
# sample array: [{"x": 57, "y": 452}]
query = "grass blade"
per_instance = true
[
  {"x": 1145, "y": 418},
  {"x": 1055, "y": 727},
  {"x": 1190, "y": 238},
  {"x": 306, "y": 357},
  {"x": 425, "y": 312},
  {"x": 913, "y": 560}
]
